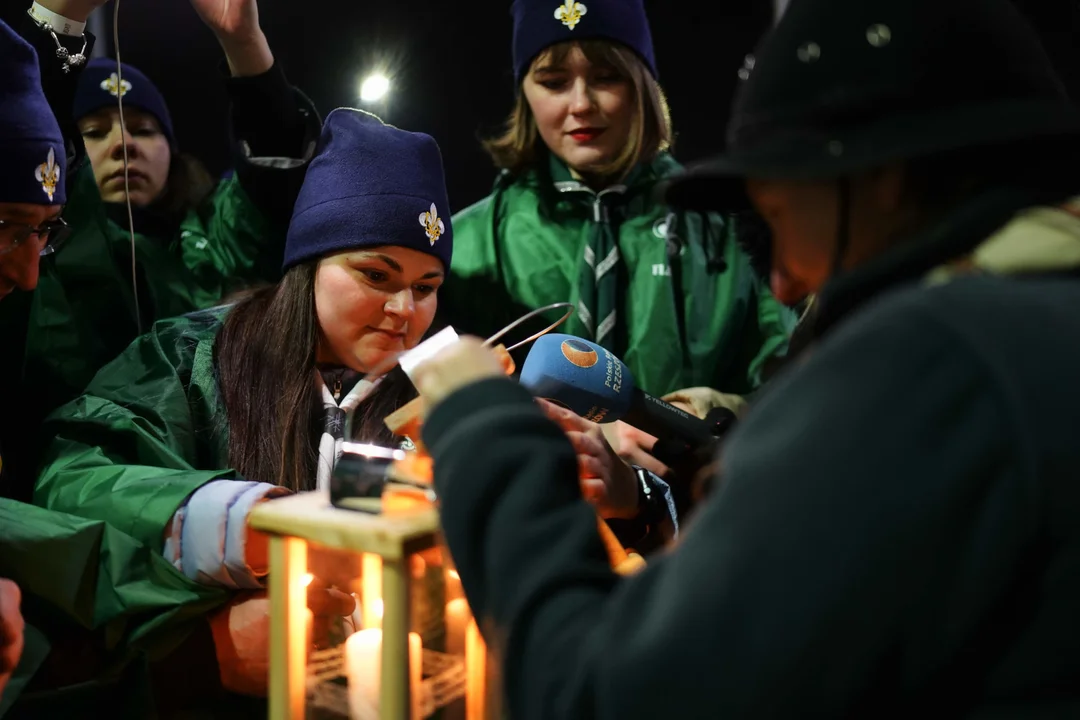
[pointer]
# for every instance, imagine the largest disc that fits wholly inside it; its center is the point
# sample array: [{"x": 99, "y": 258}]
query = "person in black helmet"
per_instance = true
[{"x": 897, "y": 533}]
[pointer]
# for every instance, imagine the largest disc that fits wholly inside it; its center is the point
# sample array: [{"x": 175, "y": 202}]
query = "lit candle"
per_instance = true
[
  {"x": 416, "y": 673},
  {"x": 371, "y": 590},
  {"x": 453, "y": 585},
  {"x": 457, "y": 619},
  {"x": 475, "y": 672},
  {"x": 363, "y": 663}
]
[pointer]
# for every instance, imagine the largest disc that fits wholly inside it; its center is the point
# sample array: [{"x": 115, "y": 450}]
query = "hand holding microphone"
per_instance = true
[
  {"x": 607, "y": 482},
  {"x": 587, "y": 379}
]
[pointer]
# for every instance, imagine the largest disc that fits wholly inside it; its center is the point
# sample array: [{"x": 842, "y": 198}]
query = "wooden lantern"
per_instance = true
[{"x": 388, "y": 547}]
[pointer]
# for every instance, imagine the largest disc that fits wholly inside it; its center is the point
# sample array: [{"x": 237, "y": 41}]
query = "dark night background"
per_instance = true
[{"x": 450, "y": 65}]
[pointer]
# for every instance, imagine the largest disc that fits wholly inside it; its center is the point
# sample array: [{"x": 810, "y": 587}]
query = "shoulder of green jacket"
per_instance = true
[
  {"x": 193, "y": 327},
  {"x": 659, "y": 168}
]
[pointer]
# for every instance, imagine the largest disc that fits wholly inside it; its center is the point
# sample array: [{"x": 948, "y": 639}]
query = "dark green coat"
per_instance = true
[
  {"x": 147, "y": 433},
  {"x": 83, "y": 313},
  {"x": 105, "y": 597},
  {"x": 897, "y": 534}
]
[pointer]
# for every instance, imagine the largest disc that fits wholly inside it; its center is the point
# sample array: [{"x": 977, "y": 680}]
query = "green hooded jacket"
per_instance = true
[
  {"x": 695, "y": 313},
  {"x": 95, "y": 569},
  {"x": 105, "y": 598},
  {"x": 83, "y": 312},
  {"x": 147, "y": 434}
]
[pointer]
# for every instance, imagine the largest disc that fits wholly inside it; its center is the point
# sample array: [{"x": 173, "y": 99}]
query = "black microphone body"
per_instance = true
[{"x": 665, "y": 421}]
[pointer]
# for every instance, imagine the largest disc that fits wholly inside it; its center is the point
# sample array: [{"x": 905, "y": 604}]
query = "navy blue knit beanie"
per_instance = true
[
  {"x": 539, "y": 24},
  {"x": 99, "y": 86},
  {"x": 32, "y": 154},
  {"x": 370, "y": 184}
]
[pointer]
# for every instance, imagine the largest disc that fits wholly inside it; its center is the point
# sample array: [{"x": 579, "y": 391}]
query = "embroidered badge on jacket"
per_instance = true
[
  {"x": 570, "y": 13},
  {"x": 433, "y": 225},
  {"x": 48, "y": 174}
]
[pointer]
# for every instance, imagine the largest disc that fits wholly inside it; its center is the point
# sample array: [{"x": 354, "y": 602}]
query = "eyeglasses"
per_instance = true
[{"x": 53, "y": 232}]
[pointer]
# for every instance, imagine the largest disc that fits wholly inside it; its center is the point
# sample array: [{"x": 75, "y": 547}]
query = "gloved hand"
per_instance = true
[{"x": 698, "y": 401}]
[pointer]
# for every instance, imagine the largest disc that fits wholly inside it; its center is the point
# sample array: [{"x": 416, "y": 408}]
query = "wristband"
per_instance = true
[
  {"x": 70, "y": 61},
  {"x": 59, "y": 23}
]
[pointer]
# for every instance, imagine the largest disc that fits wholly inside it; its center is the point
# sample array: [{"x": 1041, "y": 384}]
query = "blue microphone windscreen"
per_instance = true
[{"x": 578, "y": 375}]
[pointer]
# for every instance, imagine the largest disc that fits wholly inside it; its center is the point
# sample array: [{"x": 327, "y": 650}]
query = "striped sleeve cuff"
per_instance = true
[{"x": 208, "y": 535}]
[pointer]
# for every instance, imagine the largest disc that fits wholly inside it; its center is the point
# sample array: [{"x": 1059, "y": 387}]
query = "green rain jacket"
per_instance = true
[
  {"x": 83, "y": 312},
  {"x": 101, "y": 576},
  {"x": 145, "y": 436},
  {"x": 105, "y": 599},
  {"x": 690, "y": 323}
]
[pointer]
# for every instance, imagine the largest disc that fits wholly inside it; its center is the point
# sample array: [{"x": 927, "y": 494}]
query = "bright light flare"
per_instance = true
[{"x": 374, "y": 88}]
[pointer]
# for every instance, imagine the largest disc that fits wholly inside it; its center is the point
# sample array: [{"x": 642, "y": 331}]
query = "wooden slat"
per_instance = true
[{"x": 311, "y": 516}]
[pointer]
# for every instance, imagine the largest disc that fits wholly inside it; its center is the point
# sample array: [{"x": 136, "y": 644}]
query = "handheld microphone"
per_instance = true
[{"x": 591, "y": 382}]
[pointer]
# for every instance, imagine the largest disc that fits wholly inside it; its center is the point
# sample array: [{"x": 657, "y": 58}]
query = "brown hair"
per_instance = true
[
  {"x": 265, "y": 358},
  {"x": 516, "y": 148},
  {"x": 189, "y": 183}
]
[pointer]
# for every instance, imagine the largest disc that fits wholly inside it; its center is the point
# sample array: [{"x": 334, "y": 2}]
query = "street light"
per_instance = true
[{"x": 374, "y": 88}]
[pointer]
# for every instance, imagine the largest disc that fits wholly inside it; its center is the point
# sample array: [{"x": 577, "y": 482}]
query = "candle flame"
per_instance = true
[{"x": 306, "y": 579}]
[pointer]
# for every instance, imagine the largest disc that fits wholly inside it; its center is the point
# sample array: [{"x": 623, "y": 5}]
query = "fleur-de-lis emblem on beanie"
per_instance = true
[
  {"x": 570, "y": 13},
  {"x": 48, "y": 174},
  {"x": 433, "y": 226},
  {"x": 115, "y": 86}
]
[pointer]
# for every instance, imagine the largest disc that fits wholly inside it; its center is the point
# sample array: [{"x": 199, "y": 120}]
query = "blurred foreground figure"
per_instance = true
[{"x": 897, "y": 531}]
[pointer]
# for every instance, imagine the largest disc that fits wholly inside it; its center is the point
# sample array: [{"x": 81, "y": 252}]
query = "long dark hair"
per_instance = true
[{"x": 265, "y": 357}]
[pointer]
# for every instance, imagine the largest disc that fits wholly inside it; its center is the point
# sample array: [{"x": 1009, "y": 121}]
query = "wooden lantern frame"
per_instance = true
[{"x": 293, "y": 522}]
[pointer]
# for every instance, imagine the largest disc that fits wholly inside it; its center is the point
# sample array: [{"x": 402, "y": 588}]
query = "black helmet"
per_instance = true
[{"x": 843, "y": 85}]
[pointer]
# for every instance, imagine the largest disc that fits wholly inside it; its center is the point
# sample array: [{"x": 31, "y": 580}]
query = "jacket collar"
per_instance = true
[
  {"x": 551, "y": 173},
  {"x": 951, "y": 241}
]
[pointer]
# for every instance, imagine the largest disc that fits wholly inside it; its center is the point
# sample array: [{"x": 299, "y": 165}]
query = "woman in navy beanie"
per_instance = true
[
  {"x": 156, "y": 170},
  {"x": 211, "y": 413},
  {"x": 574, "y": 215}
]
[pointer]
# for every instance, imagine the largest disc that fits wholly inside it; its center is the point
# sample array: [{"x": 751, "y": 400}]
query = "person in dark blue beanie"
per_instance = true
[
  {"x": 32, "y": 190},
  {"x": 254, "y": 398},
  {"x": 576, "y": 216},
  {"x": 188, "y": 241},
  {"x": 153, "y": 142},
  {"x": 161, "y": 180}
]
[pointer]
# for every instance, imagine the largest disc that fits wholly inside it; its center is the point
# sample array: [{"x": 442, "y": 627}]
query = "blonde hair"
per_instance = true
[{"x": 516, "y": 148}]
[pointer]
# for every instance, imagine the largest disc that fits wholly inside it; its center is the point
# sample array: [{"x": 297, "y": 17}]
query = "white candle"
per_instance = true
[
  {"x": 457, "y": 619},
  {"x": 363, "y": 664}
]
